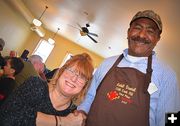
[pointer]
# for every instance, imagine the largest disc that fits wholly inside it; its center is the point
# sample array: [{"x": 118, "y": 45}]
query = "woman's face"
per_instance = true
[{"x": 71, "y": 82}]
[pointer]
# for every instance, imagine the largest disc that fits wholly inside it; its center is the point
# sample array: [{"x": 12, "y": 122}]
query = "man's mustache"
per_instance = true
[{"x": 141, "y": 40}]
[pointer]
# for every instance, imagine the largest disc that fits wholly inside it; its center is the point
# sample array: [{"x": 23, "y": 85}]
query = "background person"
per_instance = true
[
  {"x": 13, "y": 66},
  {"x": 13, "y": 53},
  {"x": 26, "y": 72},
  {"x": 38, "y": 64}
]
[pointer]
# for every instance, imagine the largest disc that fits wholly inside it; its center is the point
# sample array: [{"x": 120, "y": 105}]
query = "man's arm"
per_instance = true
[
  {"x": 86, "y": 104},
  {"x": 97, "y": 78},
  {"x": 89, "y": 98},
  {"x": 169, "y": 99}
]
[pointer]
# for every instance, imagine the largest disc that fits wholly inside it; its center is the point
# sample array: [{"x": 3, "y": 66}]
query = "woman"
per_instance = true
[{"x": 36, "y": 102}]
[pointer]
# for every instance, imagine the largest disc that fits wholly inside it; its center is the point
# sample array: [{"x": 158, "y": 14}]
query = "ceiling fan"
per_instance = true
[{"x": 85, "y": 32}]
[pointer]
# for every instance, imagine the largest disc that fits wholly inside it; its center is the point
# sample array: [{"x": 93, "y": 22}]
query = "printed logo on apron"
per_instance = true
[{"x": 123, "y": 93}]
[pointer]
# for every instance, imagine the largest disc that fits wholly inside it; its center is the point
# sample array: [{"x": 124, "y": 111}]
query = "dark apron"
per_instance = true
[{"x": 122, "y": 98}]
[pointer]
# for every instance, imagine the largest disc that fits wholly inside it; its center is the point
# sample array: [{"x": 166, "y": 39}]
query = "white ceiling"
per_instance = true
[{"x": 107, "y": 18}]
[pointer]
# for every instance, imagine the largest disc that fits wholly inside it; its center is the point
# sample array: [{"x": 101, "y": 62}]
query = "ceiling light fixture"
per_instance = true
[
  {"x": 51, "y": 40},
  {"x": 37, "y": 22}
]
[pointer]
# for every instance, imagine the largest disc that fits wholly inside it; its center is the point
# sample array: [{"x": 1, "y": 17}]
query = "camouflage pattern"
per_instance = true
[{"x": 149, "y": 14}]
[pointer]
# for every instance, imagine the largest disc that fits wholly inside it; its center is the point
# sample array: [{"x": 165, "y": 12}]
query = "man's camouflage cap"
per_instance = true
[{"x": 149, "y": 14}]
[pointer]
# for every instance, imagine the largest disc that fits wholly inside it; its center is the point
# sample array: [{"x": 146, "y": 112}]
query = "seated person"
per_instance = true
[
  {"x": 7, "y": 80},
  {"x": 38, "y": 103}
]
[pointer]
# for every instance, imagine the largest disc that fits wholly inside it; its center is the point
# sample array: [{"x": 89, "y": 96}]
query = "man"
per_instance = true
[
  {"x": 38, "y": 64},
  {"x": 13, "y": 66},
  {"x": 26, "y": 72},
  {"x": 33, "y": 67},
  {"x": 13, "y": 53},
  {"x": 135, "y": 88}
]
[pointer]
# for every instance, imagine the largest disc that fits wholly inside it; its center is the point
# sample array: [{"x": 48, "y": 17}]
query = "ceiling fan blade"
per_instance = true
[
  {"x": 93, "y": 34},
  {"x": 92, "y": 38}
]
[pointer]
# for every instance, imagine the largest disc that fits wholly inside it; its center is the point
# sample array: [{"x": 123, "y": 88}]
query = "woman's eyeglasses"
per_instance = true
[{"x": 80, "y": 78}]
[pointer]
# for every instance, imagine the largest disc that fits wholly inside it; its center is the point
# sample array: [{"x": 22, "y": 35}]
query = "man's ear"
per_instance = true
[
  {"x": 128, "y": 32},
  {"x": 158, "y": 38}
]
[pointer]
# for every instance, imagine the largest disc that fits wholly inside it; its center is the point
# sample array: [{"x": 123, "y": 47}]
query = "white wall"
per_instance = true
[{"x": 13, "y": 29}]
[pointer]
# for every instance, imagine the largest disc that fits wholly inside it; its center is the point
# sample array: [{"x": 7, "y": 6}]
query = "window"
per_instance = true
[
  {"x": 68, "y": 56},
  {"x": 43, "y": 49},
  {"x": 94, "y": 70}
]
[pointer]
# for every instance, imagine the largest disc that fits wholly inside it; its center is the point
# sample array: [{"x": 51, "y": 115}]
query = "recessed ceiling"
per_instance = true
[{"x": 107, "y": 18}]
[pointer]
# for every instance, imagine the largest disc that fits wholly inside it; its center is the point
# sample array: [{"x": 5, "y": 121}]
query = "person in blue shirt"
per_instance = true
[{"x": 135, "y": 88}]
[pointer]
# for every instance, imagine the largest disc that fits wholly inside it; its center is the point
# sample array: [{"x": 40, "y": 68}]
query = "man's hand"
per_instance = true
[
  {"x": 84, "y": 115},
  {"x": 73, "y": 119}
]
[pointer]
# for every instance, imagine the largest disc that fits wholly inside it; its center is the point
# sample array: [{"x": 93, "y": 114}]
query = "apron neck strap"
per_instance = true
[
  {"x": 117, "y": 61},
  {"x": 149, "y": 71},
  {"x": 114, "y": 65}
]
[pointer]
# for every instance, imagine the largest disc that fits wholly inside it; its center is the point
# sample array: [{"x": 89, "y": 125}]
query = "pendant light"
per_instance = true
[
  {"x": 37, "y": 22},
  {"x": 51, "y": 40}
]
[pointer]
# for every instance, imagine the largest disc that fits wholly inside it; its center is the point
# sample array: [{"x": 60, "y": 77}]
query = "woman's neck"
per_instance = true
[{"x": 59, "y": 101}]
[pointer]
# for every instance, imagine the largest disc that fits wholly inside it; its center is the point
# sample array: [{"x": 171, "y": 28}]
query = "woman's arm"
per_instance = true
[
  {"x": 18, "y": 108},
  {"x": 69, "y": 120}
]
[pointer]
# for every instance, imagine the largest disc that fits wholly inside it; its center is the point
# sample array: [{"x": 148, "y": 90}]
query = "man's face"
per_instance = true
[
  {"x": 143, "y": 36},
  {"x": 7, "y": 68},
  {"x": 39, "y": 66}
]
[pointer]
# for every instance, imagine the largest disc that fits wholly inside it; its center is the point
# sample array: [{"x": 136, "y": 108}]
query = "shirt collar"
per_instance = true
[{"x": 133, "y": 59}]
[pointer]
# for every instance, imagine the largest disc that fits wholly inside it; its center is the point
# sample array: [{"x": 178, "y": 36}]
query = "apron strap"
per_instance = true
[
  {"x": 114, "y": 65},
  {"x": 149, "y": 71},
  {"x": 147, "y": 76}
]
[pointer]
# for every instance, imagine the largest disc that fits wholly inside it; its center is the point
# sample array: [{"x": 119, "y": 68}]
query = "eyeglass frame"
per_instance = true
[{"x": 80, "y": 77}]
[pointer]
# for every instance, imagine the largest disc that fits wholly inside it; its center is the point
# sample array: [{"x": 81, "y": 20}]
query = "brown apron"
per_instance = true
[{"x": 122, "y": 98}]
